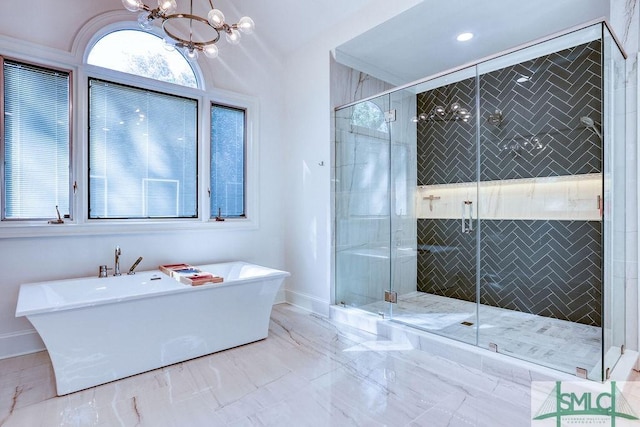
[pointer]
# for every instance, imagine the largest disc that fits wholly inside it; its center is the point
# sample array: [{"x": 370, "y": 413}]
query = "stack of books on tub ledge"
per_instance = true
[{"x": 189, "y": 275}]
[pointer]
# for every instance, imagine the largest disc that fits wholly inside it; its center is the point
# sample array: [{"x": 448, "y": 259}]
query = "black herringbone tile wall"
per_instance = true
[
  {"x": 549, "y": 268},
  {"x": 446, "y": 259},
  {"x": 545, "y": 110},
  {"x": 540, "y": 133},
  {"x": 446, "y": 150}
]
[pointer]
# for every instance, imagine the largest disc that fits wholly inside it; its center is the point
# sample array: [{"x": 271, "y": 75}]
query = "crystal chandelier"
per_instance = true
[{"x": 180, "y": 27}]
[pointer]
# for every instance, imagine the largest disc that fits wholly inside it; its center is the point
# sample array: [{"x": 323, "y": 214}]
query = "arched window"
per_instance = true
[
  {"x": 142, "y": 141},
  {"x": 369, "y": 115},
  {"x": 142, "y": 54}
]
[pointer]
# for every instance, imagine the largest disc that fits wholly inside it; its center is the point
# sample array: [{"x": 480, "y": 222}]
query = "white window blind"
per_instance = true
[
  {"x": 142, "y": 153},
  {"x": 36, "y": 150},
  {"x": 227, "y": 161}
]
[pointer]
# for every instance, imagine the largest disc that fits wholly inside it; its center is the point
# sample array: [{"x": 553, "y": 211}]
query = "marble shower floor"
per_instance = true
[
  {"x": 555, "y": 343},
  {"x": 310, "y": 371}
]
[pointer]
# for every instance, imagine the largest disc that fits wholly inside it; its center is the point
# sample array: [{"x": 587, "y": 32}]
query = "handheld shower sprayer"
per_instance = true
[{"x": 590, "y": 124}]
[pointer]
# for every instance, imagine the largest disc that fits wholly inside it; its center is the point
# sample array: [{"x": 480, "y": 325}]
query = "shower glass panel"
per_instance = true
[
  {"x": 540, "y": 195},
  {"x": 612, "y": 131},
  {"x": 490, "y": 201},
  {"x": 403, "y": 189},
  {"x": 362, "y": 205},
  {"x": 443, "y": 295}
]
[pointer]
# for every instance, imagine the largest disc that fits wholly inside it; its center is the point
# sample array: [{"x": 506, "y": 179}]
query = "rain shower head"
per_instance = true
[{"x": 590, "y": 124}]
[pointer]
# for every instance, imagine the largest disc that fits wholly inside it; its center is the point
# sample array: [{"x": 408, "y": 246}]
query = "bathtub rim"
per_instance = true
[{"x": 179, "y": 287}]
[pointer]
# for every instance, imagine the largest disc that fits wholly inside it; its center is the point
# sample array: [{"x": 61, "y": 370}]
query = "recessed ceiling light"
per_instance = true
[{"x": 463, "y": 37}]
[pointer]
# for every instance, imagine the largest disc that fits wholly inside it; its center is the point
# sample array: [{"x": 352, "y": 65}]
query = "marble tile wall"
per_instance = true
[
  {"x": 574, "y": 197},
  {"x": 625, "y": 22},
  {"x": 374, "y": 176}
]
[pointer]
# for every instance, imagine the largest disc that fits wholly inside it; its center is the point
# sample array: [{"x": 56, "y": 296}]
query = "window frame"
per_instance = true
[
  {"x": 250, "y": 107},
  {"x": 156, "y": 31},
  {"x": 198, "y": 150},
  {"x": 72, "y": 181},
  {"x": 213, "y": 215},
  {"x": 81, "y": 72}
]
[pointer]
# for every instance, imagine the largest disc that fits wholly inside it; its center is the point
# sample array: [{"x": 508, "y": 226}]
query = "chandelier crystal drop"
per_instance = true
[{"x": 180, "y": 29}]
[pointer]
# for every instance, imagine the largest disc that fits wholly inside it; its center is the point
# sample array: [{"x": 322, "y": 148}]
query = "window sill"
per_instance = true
[{"x": 102, "y": 227}]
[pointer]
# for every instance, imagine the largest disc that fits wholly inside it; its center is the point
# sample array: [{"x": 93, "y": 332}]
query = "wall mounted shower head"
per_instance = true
[
  {"x": 590, "y": 124},
  {"x": 587, "y": 121}
]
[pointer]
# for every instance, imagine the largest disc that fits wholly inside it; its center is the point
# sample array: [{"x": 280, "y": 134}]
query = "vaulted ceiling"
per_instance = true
[{"x": 415, "y": 43}]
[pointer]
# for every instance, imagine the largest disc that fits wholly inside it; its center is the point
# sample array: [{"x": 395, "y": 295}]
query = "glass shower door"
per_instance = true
[
  {"x": 440, "y": 115},
  {"x": 362, "y": 205},
  {"x": 540, "y": 197}
]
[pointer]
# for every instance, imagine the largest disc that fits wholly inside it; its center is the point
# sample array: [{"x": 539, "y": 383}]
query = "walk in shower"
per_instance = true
[{"x": 487, "y": 204}]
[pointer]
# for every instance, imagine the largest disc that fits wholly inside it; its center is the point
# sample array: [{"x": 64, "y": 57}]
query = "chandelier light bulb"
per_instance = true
[
  {"x": 144, "y": 21},
  {"x": 211, "y": 51},
  {"x": 246, "y": 25},
  {"x": 192, "y": 54},
  {"x": 167, "y": 18},
  {"x": 167, "y": 6},
  {"x": 233, "y": 36},
  {"x": 132, "y": 5},
  {"x": 216, "y": 18},
  {"x": 455, "y": 107}
]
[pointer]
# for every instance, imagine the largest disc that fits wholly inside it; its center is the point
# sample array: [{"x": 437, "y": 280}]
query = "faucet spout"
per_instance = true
[{"x": 116, "y": 269}]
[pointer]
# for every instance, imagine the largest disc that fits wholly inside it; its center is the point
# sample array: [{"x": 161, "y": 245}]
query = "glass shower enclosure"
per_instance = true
[{"x": 486, "y": 204}]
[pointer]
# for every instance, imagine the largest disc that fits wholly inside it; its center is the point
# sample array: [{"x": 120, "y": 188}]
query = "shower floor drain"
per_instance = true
[{"x": 467, "y": 323}]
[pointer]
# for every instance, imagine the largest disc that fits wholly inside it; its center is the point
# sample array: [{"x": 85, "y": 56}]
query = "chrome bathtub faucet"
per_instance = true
[{"x": 116, "y": 269}]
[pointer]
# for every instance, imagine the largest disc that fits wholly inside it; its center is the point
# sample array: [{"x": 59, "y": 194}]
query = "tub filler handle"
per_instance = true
[{"x": 103, "y": 271}]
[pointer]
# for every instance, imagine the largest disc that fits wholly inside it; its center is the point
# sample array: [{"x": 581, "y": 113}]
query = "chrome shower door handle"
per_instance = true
[{"x": 467, "y": 216}]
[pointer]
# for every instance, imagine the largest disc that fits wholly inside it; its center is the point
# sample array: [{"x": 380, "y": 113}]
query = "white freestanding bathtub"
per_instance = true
[{"x": 102, "y": 329}]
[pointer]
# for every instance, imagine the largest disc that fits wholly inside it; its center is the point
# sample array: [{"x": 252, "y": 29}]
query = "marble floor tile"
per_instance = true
[
  {"x": 554, "y": 343},
  {"x": 310, "y": 371}
]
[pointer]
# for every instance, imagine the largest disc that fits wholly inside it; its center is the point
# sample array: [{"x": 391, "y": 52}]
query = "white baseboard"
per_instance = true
[
  {"x": 307, "y": 302},
  {"x": 280, "y": 297},
  {"x": 19, "y": 343}
]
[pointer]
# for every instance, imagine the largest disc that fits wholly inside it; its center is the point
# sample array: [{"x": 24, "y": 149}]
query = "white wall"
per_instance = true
[
  {"x": 248, "y": 69},
  {"x": 308, "y": 114}
]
